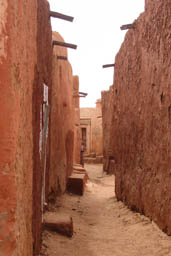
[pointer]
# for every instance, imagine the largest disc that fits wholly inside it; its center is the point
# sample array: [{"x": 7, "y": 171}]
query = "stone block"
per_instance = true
[
  {"x": 79, "y": 168},
  {"x": 59, "y": 223},
  {"x": 76, "y": 183}
]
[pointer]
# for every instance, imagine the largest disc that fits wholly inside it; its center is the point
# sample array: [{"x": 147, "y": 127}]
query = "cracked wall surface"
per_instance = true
[{"x": 141, "y": 133}]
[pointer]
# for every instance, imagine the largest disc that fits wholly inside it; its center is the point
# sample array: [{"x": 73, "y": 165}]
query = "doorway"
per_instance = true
[{"x": 84, "y": 138}]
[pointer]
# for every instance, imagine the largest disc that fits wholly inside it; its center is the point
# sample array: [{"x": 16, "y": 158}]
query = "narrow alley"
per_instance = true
[
  {"x": 102, "y": 225},
  {"x": 83, "y": 152}
]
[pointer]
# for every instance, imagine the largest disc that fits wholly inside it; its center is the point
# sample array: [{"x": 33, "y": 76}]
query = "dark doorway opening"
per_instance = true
[{"x": 84, "y": 137}]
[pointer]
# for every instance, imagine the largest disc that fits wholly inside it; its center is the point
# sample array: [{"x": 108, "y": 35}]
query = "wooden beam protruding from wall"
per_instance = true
[
  {"x": 83, "y": 93},
  {"x": 127, "y": 26},
  {"x": 61, "y": 16},
  {"x": 108, "y": 65},
  {"x": 80, "y": 95},
  {"x": 63, "y": 44},
  {"x": 62, "y": 58}
]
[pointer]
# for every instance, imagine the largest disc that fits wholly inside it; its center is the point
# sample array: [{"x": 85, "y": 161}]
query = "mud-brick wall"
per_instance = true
[
  {"x": 62, "y": 121},
  {"x": 25, "y": 62},
  {"x": 43, "y": 75},
  {"x": 107, "y": 114},
  {"x": 142, "y": 116},
  {"x": 18, "y": 29},
  {"x": 77, "y": 135}
]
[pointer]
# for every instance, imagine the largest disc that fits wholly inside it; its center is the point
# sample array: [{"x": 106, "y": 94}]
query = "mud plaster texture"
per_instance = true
[
  {"x": 24, "y": 32},
  {"x": 17, "y": 62},
  {"x": 62, "y": 121},
  {"x": 107, "y": 124},
  {"x": 43, "y": 75},
  {"x": 142, "y": 115},
  {"x": 77, "y": 134}
]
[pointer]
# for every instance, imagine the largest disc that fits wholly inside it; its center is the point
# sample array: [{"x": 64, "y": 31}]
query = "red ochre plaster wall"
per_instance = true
[
  {"x": 17, "y": 62},
  {"x": 62, "y": 121},
  {"x": 25, "y": 33},
  {"x": 142, "y": 115}
]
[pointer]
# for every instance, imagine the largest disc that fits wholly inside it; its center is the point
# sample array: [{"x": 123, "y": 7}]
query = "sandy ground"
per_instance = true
[{"x": 103, "y": 226}]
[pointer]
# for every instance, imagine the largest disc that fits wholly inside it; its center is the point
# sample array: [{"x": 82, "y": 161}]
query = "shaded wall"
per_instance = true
[
  {"x": 18, "y": 29},
  {"x": 62, "y": 121},
  {"x": 107, "y": 112},
  {"x": 41, "y": 153},
  {"x": 77, "y": 135},
  {"x": 142, "y": 116}
]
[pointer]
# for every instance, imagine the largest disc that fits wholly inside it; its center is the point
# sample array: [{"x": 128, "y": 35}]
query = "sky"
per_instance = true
[{"x": 96, "y": 32}]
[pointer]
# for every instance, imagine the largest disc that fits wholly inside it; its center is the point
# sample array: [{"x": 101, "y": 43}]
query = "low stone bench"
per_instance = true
[
  {"x": 76, "y": 183},
  {"x": 79, "y": 168},
  {"x": 60, "y": 223}
]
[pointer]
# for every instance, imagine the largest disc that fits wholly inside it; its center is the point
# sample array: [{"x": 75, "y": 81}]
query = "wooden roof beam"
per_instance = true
[
  {"x": 62, "y": 58},
  {"x": 83, "y": 93},
  {"x": 79, "y": 96},
  {"x": 128, "y": 26},
  {"x": 108, "y": 65},
  {"x": 63, "y": 44},
  {"x": 61, "y": 16}
]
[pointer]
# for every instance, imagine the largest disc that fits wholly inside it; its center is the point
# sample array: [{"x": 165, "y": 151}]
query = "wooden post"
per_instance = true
[
  {"x": 63, "y": 44},
  {"x": 62, "y": 58},
  {"x": 128, "y": 26},
  {"x": 61, "y": 16},
  {"x": 108, "y": 65}
]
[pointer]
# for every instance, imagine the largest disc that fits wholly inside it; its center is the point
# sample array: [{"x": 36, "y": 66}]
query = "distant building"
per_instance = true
[{"x": 91, "y": 130}]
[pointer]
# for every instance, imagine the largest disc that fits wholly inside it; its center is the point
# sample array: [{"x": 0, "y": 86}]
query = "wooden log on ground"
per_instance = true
[{"x": 61, "y": 224}]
